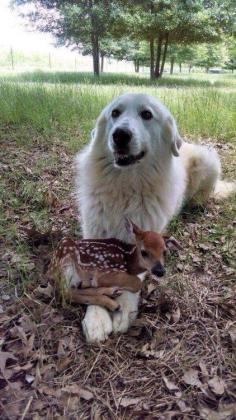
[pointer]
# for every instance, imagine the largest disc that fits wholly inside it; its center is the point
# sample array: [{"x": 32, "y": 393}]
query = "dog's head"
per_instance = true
[{"x": 135, "y": 126}]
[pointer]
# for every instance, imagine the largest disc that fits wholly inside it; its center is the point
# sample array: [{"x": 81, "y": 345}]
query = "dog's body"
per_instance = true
[{"x": 137, "y": 166}]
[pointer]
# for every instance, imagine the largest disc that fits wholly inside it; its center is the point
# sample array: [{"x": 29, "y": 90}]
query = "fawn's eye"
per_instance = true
[
  {"x": 115, "y": 113},
  {"x": 144, "y": 253},
  {"x": 146, "y": 115}
]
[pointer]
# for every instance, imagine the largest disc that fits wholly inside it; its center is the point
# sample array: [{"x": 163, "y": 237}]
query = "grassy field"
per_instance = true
[{"x": 177, "y": 361}]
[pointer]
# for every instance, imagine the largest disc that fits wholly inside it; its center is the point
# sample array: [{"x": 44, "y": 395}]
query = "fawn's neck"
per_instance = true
[{"x": 133, "y": 263}]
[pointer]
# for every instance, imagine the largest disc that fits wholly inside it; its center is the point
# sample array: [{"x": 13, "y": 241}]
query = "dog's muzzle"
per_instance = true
[{"x": 121, "y": 139}]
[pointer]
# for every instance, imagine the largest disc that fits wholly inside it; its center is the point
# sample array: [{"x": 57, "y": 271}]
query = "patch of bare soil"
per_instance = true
[{"x": 178, "y": 359}]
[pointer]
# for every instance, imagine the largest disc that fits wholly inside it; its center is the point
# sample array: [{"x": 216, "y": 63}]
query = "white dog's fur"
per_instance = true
[{"x": 150, "y": 192}]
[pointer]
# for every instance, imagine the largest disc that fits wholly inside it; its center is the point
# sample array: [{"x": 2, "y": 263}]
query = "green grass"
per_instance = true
[
  {"x": 171, "y": 81},
  {"x": 67, "y": 111}
]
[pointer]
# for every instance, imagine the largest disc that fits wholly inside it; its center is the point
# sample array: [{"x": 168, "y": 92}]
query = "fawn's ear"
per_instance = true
[
  {"x": 171, "y": 242},
  {"x": 132, "y": 228}
]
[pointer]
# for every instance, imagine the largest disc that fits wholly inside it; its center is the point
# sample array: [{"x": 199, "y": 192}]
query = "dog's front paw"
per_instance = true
[
  {"x": 97, "y": 324},
  {"x": 120, "y": 321},
  {"x": 123, "y": 318}
]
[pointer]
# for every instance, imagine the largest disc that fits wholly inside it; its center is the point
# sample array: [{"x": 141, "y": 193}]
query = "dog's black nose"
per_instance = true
[
  {"x": 122, "y": 137},
  {"x": 158, "y": 270}
]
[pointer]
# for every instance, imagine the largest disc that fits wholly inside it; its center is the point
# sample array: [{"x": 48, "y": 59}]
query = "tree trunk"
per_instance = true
[
  {"x": 94, "y": 40},
  {"x": 136, "y": 65},
  {"x": 95, "y": 49},
  {"x": 151, "y": 58},
  {"x": 180, "y": 67},
  {"x": 164, "y": 54},
  {"x": 190, "y": 68},
  {"x": 172, "y": 62},
  {"x": 102, "y": 63},
  {"x": 157, "y": 71}
]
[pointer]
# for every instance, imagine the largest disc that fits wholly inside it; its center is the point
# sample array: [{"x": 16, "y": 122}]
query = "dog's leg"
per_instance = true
[
  {"x": 123, "y": 318},
  {"x": 97, "y": 324}
]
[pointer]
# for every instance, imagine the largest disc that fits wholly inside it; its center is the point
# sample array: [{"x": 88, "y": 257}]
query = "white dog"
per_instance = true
[{"x": 136, "y": 165}]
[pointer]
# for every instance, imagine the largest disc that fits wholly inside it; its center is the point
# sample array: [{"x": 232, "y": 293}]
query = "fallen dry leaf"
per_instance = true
[
  {"x": 169, "y": 384},
  {"x": 232, "y": 332},
  {"x": 127, "y": 402},
  {"x": 217, "y": 385},
  {"x": 191, "y": 378},
  {"x": 203, "y": 247},
  {"x": 174, "y": 315},
  {"x": 4, "y": 356},
  {"x": 182, "y": 406},
  {"x": 147, "y": 352},
  {"x": 151, "y": 287},
  {"x": 224, "y": 412},
  {"x": 180, "y": 267},
  {"x": 51, "y": 198},
  {"x": 45, "y": 389},
  {"x": 80, "y": 392},
  {"x": 204, "y": 370},
  {"x": 46, "y": 291},
  {"x": 29, "y": 378},
  {"x": 61, "y": 348}
]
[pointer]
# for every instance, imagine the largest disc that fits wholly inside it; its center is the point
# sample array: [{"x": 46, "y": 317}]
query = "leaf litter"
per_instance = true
[{"x": 177, "y": 361}]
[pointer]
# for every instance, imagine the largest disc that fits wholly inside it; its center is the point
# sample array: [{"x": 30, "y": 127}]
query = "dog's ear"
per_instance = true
[
  {"x": 98, "y": 132},
  {"x": 170, "y": 134},
  {"x": 171, "y": 242}
]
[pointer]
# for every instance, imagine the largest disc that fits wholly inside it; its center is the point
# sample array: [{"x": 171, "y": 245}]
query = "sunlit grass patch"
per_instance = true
[
  {"x": 42, "y": 112},
  {"x": 142, "y": 79}
]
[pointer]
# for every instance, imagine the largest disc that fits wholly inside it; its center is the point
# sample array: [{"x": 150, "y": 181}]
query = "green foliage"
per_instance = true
[
  {"x": 123, "y": 28},
  {"x": 230, "y": 62},
  {"x": 209, "y": 55}
]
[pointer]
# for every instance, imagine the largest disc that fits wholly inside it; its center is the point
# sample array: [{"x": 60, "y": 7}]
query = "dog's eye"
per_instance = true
[
  {"x": 146, "y": 115},
  {"x": 115, "y": 113},
  {"x": 144, "y": 253}
]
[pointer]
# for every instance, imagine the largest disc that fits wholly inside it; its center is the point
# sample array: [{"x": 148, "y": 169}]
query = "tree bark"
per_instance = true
[
  {"x": 157, "y": 71},
  {"x": 151, "y": 58},
  {"x": 164, "y": 54},
  {"x": 172, "y": 62},
  {"x": 136, "y": 65},
  {"x": 94, "y": 40},
  {"x": 95, "y": 49},
  {"x": 102, "y": 63}
]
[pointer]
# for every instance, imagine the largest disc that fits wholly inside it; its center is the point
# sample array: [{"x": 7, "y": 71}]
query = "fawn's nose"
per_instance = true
[
  {"x": 122, "y": 137},
  {"x": 158, "y": 270}
]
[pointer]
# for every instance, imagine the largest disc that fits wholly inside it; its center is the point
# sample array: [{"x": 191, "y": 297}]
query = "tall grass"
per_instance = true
[
  {"x": 178, "y": 80},
  {"x": 68, "y": 111}
]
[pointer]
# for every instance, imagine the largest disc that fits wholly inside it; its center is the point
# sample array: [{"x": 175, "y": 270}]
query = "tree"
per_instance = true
[
  {"x": 209, "y": 55},
  {"x": 90, "y": 24},
  {"x": 230, "y": 63},
  {"x": 78, "y": 23},
  {"x": 182, "y": 54},
  {"x": 163, "y": 22}
]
